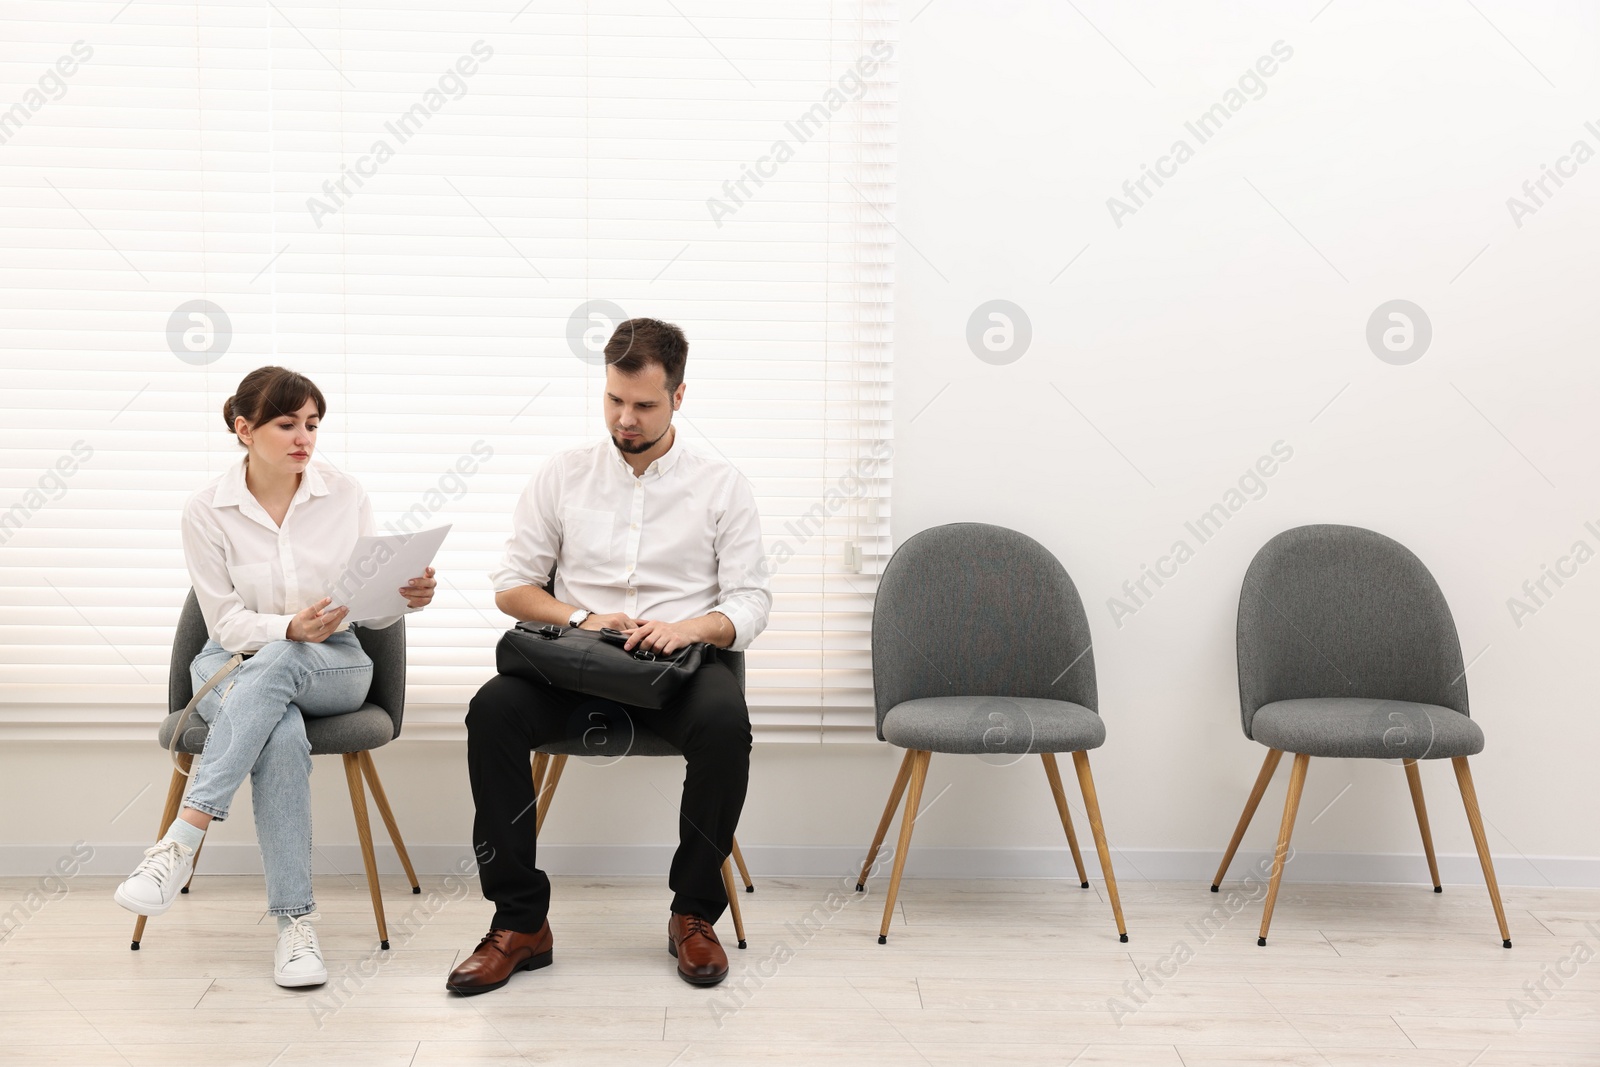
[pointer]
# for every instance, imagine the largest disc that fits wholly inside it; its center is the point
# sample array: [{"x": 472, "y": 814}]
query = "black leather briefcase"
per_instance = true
[{"x": 594, "y": 662}]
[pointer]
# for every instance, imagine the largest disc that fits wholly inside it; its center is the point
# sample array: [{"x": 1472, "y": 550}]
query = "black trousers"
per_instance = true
[{"x": 708, "y": 722}]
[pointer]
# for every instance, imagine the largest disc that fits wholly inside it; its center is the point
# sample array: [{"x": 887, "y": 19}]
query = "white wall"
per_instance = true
[
  {"x": 1206, "y": 328},
  {"x": 1190, "y": 339}
]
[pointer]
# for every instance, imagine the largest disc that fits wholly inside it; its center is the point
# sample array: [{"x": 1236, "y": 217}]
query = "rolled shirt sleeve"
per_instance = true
[
  {"x": 744, "y": 590},
  {"x": 237, "y": 628}
]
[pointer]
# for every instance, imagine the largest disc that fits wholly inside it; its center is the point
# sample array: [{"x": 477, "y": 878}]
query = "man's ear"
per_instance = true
[{"x": 677, "y": 395}]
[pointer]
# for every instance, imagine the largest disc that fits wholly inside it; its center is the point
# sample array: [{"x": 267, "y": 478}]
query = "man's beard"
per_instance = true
[{"x": 635, "y": 447}]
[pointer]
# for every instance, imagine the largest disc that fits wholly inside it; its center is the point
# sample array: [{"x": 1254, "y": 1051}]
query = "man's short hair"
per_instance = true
[{"x": 637, "y": 343}]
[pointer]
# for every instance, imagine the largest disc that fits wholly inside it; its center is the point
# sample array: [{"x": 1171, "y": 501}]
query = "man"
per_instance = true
[{"x": 665, "y": 545}]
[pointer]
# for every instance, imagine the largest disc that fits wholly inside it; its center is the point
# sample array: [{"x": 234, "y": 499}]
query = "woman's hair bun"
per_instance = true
[{"x": 227, "y": 413}]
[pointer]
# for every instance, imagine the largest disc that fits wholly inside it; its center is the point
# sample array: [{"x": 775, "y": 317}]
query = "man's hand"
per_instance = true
[
  {"x": 419, "y": 591},
  {"x": 665, "y": 638},
  {"x": 314, "y": 625},
  {"x": 662, "y": 638},
  {"x": 617, "y": 620}
]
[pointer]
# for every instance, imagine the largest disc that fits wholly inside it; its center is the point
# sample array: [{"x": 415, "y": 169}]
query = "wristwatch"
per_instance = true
[{"x": 578, "y": 617}]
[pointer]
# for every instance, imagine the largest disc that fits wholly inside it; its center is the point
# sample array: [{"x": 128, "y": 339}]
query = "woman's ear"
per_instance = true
[{"x": 241, "y": 428}]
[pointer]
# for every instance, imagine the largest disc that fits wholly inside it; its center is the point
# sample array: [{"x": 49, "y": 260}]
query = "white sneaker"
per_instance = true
[
  {"x": 298, "y": 960},
  {"x": 154, "y": 884}
]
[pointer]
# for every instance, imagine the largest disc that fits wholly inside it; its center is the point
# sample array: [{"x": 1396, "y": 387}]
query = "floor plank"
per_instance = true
[{"x": 1026, "y": 972}]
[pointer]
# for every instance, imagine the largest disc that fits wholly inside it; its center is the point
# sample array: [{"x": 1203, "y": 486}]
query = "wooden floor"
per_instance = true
[{"x": 975, "y": 972}]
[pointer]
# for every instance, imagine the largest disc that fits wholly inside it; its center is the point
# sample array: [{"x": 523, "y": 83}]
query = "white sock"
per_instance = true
[{"x": 186, "y": 834}]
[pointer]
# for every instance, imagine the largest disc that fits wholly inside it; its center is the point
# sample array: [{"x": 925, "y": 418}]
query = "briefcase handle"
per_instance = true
[{"x": 620, "y": 639}]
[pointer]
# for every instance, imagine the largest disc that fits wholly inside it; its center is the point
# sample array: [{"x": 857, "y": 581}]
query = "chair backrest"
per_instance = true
[
  {"x": 386, "y": 648},
  {"x": 971, "y": 609},
  {"x": 1329, "y": 611},
  {"x": 734, "y": 660}
]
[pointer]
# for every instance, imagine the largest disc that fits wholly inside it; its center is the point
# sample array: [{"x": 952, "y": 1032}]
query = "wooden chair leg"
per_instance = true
[
  {"x": 358, "y": 806},
  {"x": 370, "y": 771},
  {"x": 557, "y": 765},
  {"x": 744, "y": 872},
  {"x": 1414, "y": 780},
  {"x": 1091, "y": 804},
  {"x": 895, "y": 794},
  {"x": 169, "y": 811},
  {"x": 201, "y": 847},
  {"x": 733, "y": 902},
  {"x": 908, "y": 818},
  {"x": 541, "y": 760},
  {"x": 1053, "y": 772},
  {"x": 1269, "y": 767},
  {"x": 1291, "y": 806},
  {"x": 1469, "y": 798}
]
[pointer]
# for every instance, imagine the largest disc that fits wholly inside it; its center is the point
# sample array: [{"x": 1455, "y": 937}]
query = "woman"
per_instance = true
[{"x": 262, "y": 544}]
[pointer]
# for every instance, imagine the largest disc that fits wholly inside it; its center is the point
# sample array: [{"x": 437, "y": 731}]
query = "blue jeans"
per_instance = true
[{"x": 257, "y": 727}]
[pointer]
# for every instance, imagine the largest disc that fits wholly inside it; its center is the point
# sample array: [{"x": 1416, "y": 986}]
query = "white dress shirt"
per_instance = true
[
  {"x": 681, "y": 540},
  {"x": 251, "y": 576}
]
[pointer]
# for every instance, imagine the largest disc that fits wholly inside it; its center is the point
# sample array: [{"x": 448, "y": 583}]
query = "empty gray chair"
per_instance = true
[
  {"x": 980, "y": 646},
  {"x": 1348, "y": 649},
  {"x": 353, "y": 735},
  {"x": 551, "y": 759}
]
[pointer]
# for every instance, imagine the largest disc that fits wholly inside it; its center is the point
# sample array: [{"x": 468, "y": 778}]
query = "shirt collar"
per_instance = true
[
  {"x": 659, "y": 467},
  {"x": 233, "y": 491}
]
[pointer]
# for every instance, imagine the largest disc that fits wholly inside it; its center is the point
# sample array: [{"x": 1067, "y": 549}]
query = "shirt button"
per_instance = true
[{"x": 635, "y": 526}]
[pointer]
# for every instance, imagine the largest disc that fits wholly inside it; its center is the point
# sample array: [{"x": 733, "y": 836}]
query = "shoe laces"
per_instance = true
[
  {"x": 161, "y": 860},
  {"x": 493, "y": 939},
  {"x": 302, "y": 938},
  {"x": 694, "y": 924}
]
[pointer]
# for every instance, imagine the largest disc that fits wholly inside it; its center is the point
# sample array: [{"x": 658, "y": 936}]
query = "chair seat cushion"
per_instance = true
[
  {"x": 982, "y": 725},
  {"x": 1366, "y": 728},
  {"x": 366, "y": 728}
]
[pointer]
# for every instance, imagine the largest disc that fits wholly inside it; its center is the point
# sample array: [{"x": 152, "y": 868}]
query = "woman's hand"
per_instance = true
[
  {"x": 419, "y": 591},
  {"x": 314, "y": 625}
]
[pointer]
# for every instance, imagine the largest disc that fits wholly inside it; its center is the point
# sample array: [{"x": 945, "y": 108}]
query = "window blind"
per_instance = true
[{"x": 436, "y": 214}]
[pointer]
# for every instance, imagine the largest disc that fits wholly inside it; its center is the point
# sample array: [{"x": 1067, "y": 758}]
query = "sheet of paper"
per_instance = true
[{"x": 379, "y": 565}]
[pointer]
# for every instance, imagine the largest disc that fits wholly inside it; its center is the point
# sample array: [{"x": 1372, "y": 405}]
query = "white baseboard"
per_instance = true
[{"x": 809, "y": 861}]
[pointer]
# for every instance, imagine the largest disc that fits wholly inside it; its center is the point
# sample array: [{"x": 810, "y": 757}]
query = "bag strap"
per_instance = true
[{"x": 183, "y": 716}]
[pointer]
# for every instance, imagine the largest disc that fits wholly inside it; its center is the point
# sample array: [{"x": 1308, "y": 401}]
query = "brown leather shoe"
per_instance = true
[
  {"x": 701, "y": 960},
  {"x": 498, "y": 956}
]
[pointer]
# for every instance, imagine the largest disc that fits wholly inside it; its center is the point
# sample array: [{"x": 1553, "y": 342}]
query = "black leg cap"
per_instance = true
[
  {"x": 1261, "y": 941},
  {"x": 749, "y": 889},
  {"x": 1214, "y": 889},
  {"x": 743, "y": 944},
  {"x": 860, "y": 887},
  {"x": 1083, "y": 885},
  {"x": 384, "y": 945},
  {"x": 1438, "y": 889},
  {"x": 884, "y": 940},
  {"x": 134, "y": 946},
  {"x": 185, "y": 889},
  {"x": 1123, "y": 939},
  {"x": 417, "y": 889},
  {"x": 1506, "y": 943}
]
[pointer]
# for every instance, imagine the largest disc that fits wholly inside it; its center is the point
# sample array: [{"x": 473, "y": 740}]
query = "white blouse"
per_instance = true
[
  {"x": 251, "y": 576},
  {"x": 677, "y": 542}
]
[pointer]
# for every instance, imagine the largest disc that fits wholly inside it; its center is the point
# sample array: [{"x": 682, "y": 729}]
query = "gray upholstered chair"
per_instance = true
[
  {"x": 550, "y": 760},
  {"x": 980, "y": 646},
  {"x": 353, "y": 736},
  {"x": 1348, "y": 649}
]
